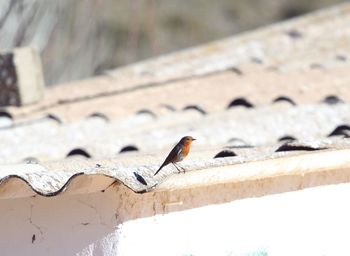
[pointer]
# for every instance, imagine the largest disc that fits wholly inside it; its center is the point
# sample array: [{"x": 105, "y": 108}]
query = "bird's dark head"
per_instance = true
[{"x": 187, "y": 140}]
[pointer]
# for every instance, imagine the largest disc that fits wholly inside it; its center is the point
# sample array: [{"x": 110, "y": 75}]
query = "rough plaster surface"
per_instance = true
[
  {"x": 118, "y": 222},
  {"x": 67, "y": 225}
]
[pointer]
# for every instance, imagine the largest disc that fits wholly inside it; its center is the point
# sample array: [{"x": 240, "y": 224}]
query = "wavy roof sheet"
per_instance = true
[{"x": 242, "y": 97}]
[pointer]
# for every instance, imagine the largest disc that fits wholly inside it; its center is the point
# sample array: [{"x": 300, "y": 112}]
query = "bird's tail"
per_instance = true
[{"x": 159, "y": 169}]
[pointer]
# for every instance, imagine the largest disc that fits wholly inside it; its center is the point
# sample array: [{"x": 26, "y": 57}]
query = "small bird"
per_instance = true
[{"x": 179, "y": 152}]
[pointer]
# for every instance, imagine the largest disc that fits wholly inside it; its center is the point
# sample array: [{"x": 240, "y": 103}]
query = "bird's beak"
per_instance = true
[{"x": 193, "y": 139}]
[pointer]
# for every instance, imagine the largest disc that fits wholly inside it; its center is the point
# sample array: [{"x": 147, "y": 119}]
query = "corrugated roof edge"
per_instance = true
[{"x": 325, "y": 167}]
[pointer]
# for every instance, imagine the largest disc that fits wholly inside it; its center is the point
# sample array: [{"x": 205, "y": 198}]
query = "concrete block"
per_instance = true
[{"x": 21, "y": 77}]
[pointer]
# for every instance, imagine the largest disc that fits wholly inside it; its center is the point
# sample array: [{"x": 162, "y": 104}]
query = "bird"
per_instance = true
[{"x": 178, "y": 153}]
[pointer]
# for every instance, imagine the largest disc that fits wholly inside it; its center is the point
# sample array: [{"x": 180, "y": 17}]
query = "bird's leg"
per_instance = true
[
  {"x": 183, "y": 169},
  {"x": 177, "y": 168}
]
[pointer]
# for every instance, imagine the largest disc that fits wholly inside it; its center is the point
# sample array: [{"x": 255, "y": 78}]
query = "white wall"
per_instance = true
[
  {"x": 62, "y": 225},
  {"x": 312, "y": 221},
  {"x": 309, "y": 222}
]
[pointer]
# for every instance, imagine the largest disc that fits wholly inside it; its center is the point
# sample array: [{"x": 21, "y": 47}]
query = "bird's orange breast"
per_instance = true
[{"x": 186, "y": 149}]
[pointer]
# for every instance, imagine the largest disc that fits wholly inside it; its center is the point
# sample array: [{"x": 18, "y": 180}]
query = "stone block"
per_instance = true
[{"x": 21, "y": 77}]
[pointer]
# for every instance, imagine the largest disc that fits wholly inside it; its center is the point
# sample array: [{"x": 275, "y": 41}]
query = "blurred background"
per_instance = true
[{"x": 79, "y": 39}]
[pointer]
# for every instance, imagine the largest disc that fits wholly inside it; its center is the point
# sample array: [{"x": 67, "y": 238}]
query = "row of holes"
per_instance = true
[
  {"x": 341, "y": 130},
  {"x": 331, "y": 100},
  {"x": 224, "y": 153},
  {"x": 295, "y": 35},
  {"x": 83, "y": 153},
  {"x": 238, "y": 102},
  {"x": 256, "y": 60},
  {"x": 283, "y": 148}
]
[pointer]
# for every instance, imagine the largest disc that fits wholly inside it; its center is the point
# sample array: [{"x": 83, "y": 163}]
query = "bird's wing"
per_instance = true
[{"x": 173, "y": 155}]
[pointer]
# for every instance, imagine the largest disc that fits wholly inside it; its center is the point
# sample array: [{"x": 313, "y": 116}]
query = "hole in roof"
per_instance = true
[
  {"x": 54, "y": 118},
  {"x": 99, "y": 115},
  {"x": 6, "y": 119},
  {"x": 128, "y": 148},
  {"x": 196, "y": 108},
  {"x": 341, "y": 130},
  {"x": 257, "y": 60},
  {"x": 240, "y": 102},
  {"x": 225, "y": 153},
  {"x": 168, "y": 107},
  {"x": 289, "y": 146},
  {"x": 332, "y": 99},
  {"x": 236, "y": 70},
  {"x": 341, "y": 57},
  {"x": 294, "y": 34},
  {"x": 284, "y": 99},
  {"x": 287, "y": 138},
  {"x": 146, "y": 112},
  {"x": 30, "y": 160},
  {"x": 79, "y": 152},
  {"x": 5, "y": 114},
  {"x": 238, "y": 143}
]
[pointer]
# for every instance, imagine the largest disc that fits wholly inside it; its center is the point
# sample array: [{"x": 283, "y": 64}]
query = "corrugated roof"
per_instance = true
[
  {"x": 241, "y": 97},
  {"x": 48, "y": 140},
  {"x": 75, "y": 177}
]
